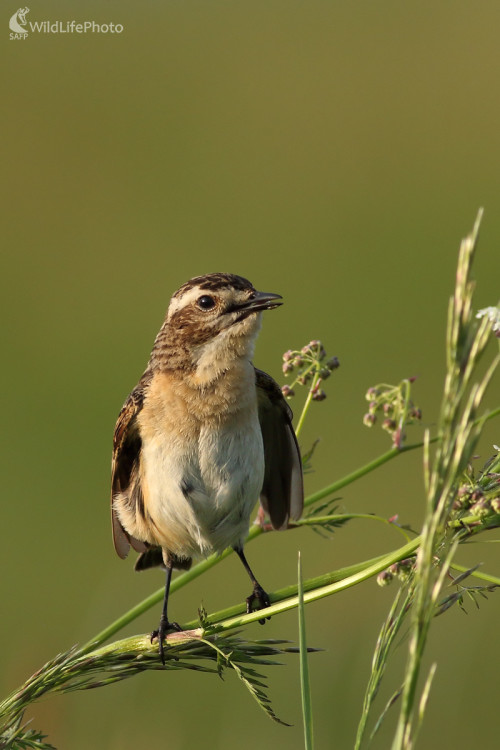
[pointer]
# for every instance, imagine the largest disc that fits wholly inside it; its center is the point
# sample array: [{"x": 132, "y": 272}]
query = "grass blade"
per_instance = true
[{"x": 305, "y": 688}]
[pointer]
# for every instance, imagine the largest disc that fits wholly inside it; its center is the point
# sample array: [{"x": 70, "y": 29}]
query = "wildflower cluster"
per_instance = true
[
  {"x": 401, "y": 570},
  {"x": 312, "y": 367},
  {"x": 477, "y": 502},
  {"x": 394, "y": 403},
  {"x": 493, "y": 315}
]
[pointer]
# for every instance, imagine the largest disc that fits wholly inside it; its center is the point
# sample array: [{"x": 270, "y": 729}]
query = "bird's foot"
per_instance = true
[
  {"x": 261, "y": 520},
  {"x": 260, "y": 596},
  {"x": 165, "y": 627},
  {"x": 263, "y": 523}
]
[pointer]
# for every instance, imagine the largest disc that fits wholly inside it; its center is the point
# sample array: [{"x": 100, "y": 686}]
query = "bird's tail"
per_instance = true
[{"x": 153, "y": 558}]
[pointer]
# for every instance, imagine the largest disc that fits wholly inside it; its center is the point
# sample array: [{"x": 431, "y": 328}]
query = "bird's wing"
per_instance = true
[
  {"x": 125, "y": 465},
  {"x": 282, "y": 493}
]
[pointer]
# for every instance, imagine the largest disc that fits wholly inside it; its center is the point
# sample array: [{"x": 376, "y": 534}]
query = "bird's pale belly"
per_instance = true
[{"x": 200, "y": 493}]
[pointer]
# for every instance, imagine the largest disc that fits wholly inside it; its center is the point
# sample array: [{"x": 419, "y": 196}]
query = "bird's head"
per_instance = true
[{"x": 215, "y": 318}]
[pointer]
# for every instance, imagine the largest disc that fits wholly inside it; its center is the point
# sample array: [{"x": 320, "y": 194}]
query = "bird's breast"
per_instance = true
[{"x": 202, "y": 463}]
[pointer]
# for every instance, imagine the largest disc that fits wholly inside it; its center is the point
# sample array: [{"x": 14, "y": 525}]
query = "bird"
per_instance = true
[{"x": 202, "y": 437}]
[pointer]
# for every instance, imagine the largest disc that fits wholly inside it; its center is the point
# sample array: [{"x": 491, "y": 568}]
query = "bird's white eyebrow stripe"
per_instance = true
[{"x": 177, "y": 303}]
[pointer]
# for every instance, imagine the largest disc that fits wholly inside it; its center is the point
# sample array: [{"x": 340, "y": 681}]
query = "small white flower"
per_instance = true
[{"x": 493, "y": 315}]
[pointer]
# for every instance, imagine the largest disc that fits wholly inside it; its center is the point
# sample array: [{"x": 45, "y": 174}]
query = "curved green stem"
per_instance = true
[
  {"x": 314, "y": 588},
  {"x": 307, "y": 403},
  {"x": 361, "y": 472}
]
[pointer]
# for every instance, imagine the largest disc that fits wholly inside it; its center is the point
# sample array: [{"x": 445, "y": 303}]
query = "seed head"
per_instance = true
[
  {"x": 384, "y": 578},
  {"x": 318, "y": 394}
]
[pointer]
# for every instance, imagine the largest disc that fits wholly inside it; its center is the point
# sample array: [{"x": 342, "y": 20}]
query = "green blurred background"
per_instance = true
[{"x": 333, "y": 152}]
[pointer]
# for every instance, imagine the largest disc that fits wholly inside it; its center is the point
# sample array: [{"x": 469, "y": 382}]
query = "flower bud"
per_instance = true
[
  {"x": 287, "y": 391},
  {"x": 333, "y": 363},
  {"x": 405, "y": 568},
  {"x": 384, "y": 578},
  {"x": 495, "y": 504},
  {"x": 318, "y": 395},
  {"x": 481, "y": 508},
  {"x": 369, "y": 419},
  {"x": 389, "y": 425}
]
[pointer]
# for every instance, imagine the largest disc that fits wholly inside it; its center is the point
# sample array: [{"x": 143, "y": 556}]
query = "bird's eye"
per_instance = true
[{"x": 205, "y": 302}]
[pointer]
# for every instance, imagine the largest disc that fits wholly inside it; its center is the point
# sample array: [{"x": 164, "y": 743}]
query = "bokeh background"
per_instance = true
[{"x": 333, "y": 152}]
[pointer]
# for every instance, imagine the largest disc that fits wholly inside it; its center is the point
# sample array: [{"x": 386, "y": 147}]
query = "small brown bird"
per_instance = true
[{"x": 202, "y": 436}]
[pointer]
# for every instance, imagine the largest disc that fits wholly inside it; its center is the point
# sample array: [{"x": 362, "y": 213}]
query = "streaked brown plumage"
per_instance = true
[{"x": 202, "y": 436}]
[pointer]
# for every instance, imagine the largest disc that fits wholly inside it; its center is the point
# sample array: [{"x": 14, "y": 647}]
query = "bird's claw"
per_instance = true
[
  {"x": 260, "y": 596},
  {"x": 165, "y": 627}
]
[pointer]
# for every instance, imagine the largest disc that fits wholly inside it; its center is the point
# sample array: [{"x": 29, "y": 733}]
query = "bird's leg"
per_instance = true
[
  {"x": 258, "y": 594},
  {"x": 165, "y": 624}
]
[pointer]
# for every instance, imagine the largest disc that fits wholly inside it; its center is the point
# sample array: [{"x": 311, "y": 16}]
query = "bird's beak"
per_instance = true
[{"x": 261, "y": 301}]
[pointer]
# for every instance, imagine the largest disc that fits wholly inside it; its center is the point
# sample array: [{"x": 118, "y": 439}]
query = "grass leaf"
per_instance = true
[{"x": 305, "y": 688}]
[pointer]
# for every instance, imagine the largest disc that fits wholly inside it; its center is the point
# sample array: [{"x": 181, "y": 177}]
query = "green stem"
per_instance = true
[
  {"x": 490, "y": 415},
  {"x": 314, "y": 589},
  {"x": 305, "y": 687},
  {"x": 306, "y": 404},
  {"x": 361, "y": 472}
]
